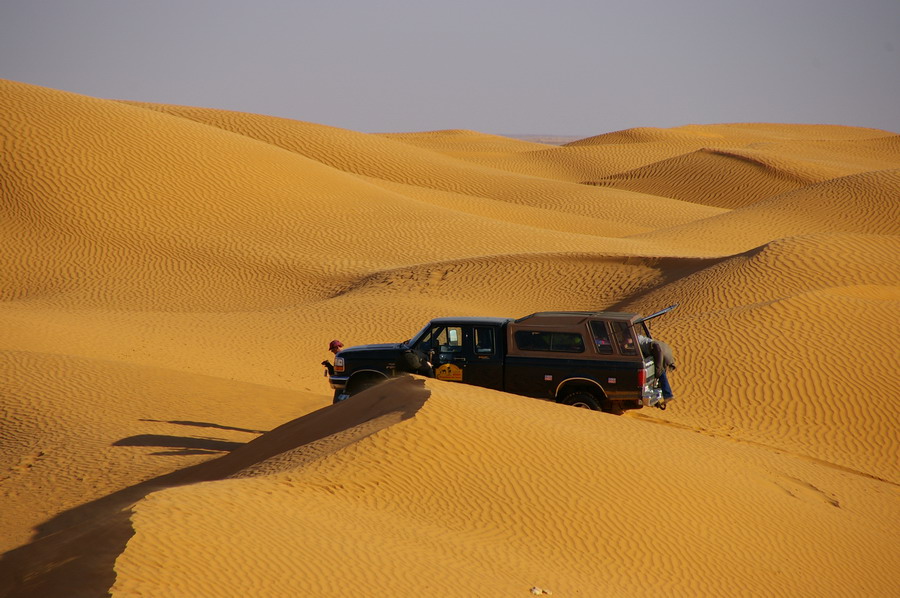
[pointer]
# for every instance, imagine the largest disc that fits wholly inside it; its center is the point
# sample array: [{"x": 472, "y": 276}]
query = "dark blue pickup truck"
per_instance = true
[{"x": 595, "y": 360}]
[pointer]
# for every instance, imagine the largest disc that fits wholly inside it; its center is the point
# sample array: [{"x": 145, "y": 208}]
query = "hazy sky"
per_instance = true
[{"x": 564, "y": 67}]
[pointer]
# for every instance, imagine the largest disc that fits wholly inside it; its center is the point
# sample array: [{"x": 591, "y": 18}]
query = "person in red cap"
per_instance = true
[{"x": 334, "y": 346}]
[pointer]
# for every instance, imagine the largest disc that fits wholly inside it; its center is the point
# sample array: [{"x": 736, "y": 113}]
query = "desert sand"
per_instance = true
[{"x": 171, "y": 278}]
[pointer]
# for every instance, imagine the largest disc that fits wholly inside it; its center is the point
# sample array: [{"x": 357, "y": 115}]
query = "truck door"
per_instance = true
[{"x": 469, "y": 354}]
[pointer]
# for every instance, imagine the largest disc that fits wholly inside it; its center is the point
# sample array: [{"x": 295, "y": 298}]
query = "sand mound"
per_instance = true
[
  {"x": 820, "y": 208},
  {"x": 174, "y": 205},
  {"x": 645, "y": 135},
  {"x": 752, "y": 176},
  {"x": 458, "y": 142},
  {"x": 383, "y": 158},
  {"x": 57, "y": 562},
  {"x": 170, "y": 277},
  {"x": 75, "y": 429},
  {"x": 436, "y": 505}
]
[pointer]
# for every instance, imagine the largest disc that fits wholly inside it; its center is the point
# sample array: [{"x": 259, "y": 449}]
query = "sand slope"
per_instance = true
[
  {"x": 503, "y": 501},
  {"x": 171, "y": 277}
]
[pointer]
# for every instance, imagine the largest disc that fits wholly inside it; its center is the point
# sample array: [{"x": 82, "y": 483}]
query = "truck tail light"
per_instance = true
[
  {"x": 642, "y": 377},
  {"x": 338, "y": 364}
]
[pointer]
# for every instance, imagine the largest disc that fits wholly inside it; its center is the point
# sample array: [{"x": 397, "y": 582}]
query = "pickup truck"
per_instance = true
[{"x": 593, "y": 360}]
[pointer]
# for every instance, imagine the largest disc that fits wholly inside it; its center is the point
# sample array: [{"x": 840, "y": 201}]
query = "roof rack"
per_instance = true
[{"x": 582, "y": 314}]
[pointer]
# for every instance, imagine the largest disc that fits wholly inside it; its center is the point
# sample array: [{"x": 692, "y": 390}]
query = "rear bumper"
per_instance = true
[{"x": 650, "y": 397}]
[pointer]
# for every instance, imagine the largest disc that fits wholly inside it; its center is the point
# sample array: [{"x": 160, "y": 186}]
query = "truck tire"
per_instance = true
[
  {"x": 582, "y": 400},
  {"x": 358, "y": 384}
]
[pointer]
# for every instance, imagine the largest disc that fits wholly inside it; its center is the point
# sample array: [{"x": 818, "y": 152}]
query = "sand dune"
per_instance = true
[
  {"x": 821, "y": 208},
  {"x": 702, "y": 174},
  {"x": 172, "y": 275},
  {"x": 504, "y": 500},
  {"x": 618, "y": 212}
]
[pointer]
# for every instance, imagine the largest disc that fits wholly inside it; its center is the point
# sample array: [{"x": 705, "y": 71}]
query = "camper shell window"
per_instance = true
[{"x": 539, "y": 340}]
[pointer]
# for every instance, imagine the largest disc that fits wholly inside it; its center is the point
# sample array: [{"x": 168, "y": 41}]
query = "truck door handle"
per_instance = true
[{"x": 459, "y": 359}]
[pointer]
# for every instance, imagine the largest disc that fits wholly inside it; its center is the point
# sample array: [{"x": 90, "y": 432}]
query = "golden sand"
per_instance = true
[{"x": 171, "y": 277}]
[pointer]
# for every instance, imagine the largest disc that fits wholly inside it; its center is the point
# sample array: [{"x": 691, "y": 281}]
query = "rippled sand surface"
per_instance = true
[{"x": 170, "y": 278}]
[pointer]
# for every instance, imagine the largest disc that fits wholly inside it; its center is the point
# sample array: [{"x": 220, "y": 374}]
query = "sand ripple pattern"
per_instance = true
[
  {"x": 441, "y": 504},
  {"x": 170, "y": 277}
]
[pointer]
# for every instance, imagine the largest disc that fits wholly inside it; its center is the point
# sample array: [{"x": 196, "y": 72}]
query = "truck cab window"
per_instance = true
[
  {"x": 601, "y": 338},
  {"x": 449, "y": 339},
  {"x": 484, "y": 341}
]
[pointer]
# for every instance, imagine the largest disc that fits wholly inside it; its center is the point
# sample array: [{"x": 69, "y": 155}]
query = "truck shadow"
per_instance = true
[
  {"x": 185, "y": 445},
  {"x": 181, "y": 422}
]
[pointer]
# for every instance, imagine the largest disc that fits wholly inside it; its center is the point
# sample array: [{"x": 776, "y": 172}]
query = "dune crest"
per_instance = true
[
  {"x": 463, "y": 500},
  {"x": 171, "y": 276}
]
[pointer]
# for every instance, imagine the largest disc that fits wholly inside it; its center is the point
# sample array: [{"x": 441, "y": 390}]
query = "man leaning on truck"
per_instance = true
[{"x": 663, "y": 360}]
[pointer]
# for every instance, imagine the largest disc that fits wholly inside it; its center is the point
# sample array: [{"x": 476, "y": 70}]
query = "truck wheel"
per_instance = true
[
  {"x": 582, "y": 400},
  {"x": 357, "y": 385}
]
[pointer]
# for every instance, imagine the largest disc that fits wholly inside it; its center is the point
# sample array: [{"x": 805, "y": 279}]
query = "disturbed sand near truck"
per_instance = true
[{"x": 171, "y": 278}]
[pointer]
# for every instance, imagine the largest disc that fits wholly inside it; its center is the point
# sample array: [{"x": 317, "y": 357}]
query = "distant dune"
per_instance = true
[{"x": 171, "y": 277}]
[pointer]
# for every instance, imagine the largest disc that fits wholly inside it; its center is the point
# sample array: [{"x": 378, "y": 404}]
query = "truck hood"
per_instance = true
[{"x": 375, "y": 348}]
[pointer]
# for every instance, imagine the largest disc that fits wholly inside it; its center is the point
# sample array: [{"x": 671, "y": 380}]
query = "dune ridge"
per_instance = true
[
  {"x": 667, "y": 178},
  {"x": 350, "y": 506},
  {"x": 170, "y": 277}
]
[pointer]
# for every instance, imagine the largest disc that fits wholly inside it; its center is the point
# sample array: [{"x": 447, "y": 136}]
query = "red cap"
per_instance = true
[{"x": 335, "y": 344}]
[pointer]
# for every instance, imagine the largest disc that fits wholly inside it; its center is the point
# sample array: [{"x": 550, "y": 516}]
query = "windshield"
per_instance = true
[{"x": 418, "y": 336}]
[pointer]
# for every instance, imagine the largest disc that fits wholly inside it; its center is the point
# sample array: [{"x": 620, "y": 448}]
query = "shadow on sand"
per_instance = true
[
  {"x": 182, "y": 422},
  {"x": 188, "y": 445},
  {"x": 74, "y": 553}
]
